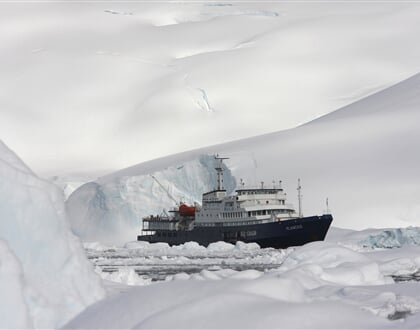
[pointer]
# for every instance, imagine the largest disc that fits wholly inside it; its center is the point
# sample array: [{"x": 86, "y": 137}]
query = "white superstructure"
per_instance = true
[{"x": 247, "y": 206}]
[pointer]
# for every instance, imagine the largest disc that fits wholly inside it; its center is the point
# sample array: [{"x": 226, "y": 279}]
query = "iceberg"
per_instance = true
[
  {"x": 44, "y": 272},
  {"x": 392, "y": 238}
]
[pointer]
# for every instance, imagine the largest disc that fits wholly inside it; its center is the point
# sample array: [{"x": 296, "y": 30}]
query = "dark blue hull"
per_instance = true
[{"x": 282, "y": 234}]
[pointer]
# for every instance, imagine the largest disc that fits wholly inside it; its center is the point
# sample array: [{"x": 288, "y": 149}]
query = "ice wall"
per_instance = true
[
  {"x": 110, "y": 209},
  {"x": 45, "y": 276}
]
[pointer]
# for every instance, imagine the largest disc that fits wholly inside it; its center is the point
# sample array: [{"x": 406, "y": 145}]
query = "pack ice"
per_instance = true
[{"x": 45, "y": 278}]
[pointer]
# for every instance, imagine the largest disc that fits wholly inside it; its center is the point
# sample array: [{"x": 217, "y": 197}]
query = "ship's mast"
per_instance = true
[
  {"x": 299, "y": 189},
  {"x": 219, "y": 170}
]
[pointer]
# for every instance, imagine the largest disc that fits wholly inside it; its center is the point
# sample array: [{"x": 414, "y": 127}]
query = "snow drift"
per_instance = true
[
  {"x": 111, "y": 208},
  {"x": 45, "y": 277}
]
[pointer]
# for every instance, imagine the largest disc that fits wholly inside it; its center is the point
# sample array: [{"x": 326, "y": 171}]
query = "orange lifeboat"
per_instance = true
[{"x": 186, "y": 211}]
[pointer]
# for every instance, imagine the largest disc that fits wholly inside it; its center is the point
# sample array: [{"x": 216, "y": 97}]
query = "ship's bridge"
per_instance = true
[
  {"x": 214, "y": 196},
  {"x": 249, "y": 197}
]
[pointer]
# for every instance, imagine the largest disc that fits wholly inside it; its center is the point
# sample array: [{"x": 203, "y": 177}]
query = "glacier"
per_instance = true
[
  {"x": 110, "y": 209},
  {"x": 264, "y": 66},
  {"x": 44, "y": 272}
]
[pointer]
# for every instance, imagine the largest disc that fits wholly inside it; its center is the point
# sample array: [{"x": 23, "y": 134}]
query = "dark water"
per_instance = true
[
  {"x": 157, "y": 267},
  {"x": 159, "y": 272},
  {"x": 407, "y": 278}
]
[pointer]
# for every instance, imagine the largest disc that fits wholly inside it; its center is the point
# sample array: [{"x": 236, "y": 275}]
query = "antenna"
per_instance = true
[
  {"x": 219, "y": 170},
  {"x": 299, "y": 188},
  {"x": 280, "y": 185},
  {"x": 262, "y": 184},
  {"x": 242, "y": 183},
  {"x": 328, "y": 207}
]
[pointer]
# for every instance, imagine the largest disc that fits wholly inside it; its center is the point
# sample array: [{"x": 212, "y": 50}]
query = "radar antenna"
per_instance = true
[{"x": 219, "y": 170}]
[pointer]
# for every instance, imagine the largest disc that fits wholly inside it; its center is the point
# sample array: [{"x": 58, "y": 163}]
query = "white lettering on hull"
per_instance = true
[{"x": 294, "y": 227}]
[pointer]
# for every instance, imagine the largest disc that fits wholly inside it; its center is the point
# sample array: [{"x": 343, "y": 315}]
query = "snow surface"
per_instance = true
[
  {"x": 338, "y": 284},
  {"x": 45, "y": 277},
  {"x": 110, "y": 84},
  {"x": 110, "y": 209}
]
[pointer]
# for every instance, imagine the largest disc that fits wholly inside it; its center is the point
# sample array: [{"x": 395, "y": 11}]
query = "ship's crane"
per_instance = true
[
  {"x": 183, "y": 209},
  {"x": 165, "y": 190}
]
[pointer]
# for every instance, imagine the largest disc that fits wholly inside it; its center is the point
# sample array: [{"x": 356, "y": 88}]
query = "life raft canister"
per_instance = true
[{"x": 186, "y": 211}]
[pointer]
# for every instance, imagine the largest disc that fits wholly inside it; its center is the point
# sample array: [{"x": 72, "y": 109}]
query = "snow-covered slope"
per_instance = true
[
  {"x": 110, "y": 209},
  {"x": 116, "y": 82},
  {"x": 45, "y": 277},
  {"x": 362, "y": 157}
]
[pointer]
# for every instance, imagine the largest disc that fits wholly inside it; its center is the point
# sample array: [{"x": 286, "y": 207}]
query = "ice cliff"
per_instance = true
[{"x": 110, "y": 209}]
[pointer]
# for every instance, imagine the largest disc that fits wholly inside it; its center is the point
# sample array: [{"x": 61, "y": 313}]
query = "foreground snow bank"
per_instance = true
[
  {"x": 320, "y": 285},
  {"x": 110, "y": 209},
  {"x": 14, "y": 312},
  {"x": 321, "y": 263},
  {"x": 44, "y": 274}
]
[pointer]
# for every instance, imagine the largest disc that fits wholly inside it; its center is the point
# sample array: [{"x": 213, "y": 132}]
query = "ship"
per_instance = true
[{"x": 252, "y": 215}]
